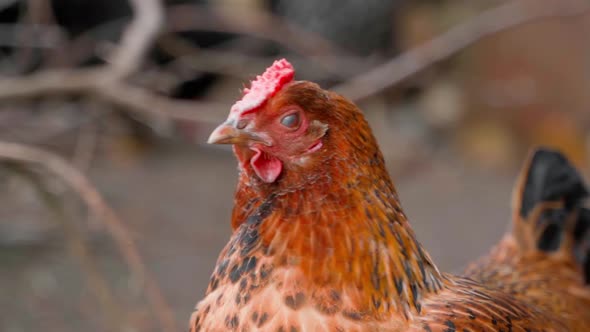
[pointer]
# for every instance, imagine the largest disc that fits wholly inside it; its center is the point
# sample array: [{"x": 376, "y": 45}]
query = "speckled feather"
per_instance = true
[{"x": 327, "y": 247}]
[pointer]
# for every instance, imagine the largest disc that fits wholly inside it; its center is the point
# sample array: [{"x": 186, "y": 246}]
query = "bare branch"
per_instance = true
[
  {"x": 96, "y": 204},
  {"x": 244, "y": 66},
  {"x": 92, "y": 81},
  {"x": 85, "y": 146},
  {"x": 75, "y": 241},
  {"x": 509, "y": 15},
  {"x": 257, "y": 24},
  {"x": 46, "y": 36},
  {"x": 138, "y": 37},
  {"x": 107, "y": 82},
  {"x": 141, "y": 100}
]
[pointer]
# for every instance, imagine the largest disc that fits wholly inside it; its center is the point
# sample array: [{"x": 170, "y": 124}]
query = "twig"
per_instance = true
[
  {"x": 142, "y": 100},
  {"x": 107, "y": 82},
  {"x": 47, "y": 36},
  {"x": 97, "y": 205},
  {"x": 267, "y": 26},
  {"x": 21, "y": 126},
  {"x": 137, "y": 38},
  {"x": 96, "y": 281},
  {"x": 234, "y": 64},
  {"x": 23, "y": 56},
  {"x": 90, "y": 81},
  {"x": 101, "y": 82},
  {"x": 85, "y": 147},
  {"x": 506, "y": 16},
  {"x": 257, "y": 24},
  {"x": 41, "y": 13}
]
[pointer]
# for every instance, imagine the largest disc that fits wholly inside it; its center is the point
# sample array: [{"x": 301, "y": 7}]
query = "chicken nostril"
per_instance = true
[{"x": 242, "y": 124}]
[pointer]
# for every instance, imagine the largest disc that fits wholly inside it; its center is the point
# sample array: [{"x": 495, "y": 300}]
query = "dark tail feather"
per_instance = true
[
  {"x": 548, "y": 212},
  {"x": 582, "y": 241}
]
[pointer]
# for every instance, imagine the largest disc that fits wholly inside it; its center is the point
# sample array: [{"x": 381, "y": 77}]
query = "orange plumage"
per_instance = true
[{"x": 320, "y": 242}]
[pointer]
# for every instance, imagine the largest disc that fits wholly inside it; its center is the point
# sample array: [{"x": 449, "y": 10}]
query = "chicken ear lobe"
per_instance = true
[{"x": 267, "y": 167}]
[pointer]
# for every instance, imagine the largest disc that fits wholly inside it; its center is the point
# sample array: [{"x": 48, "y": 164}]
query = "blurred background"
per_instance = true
[{"x": 126, "y": 93}]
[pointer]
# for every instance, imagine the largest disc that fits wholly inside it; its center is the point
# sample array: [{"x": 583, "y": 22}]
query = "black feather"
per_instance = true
[{"x": 551, "y": 177}]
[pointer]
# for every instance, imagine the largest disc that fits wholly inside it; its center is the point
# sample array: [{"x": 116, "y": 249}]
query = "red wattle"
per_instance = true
[{"x": 268, "y": 168}]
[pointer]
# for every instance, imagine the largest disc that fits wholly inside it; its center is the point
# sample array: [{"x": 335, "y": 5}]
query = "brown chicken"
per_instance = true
[{"x": 320, "y": 242}]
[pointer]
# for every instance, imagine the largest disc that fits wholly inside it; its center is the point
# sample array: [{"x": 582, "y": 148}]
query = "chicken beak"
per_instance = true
[{"x": 227, "y": 133}]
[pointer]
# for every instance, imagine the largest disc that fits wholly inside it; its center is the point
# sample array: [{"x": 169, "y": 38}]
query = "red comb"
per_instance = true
[{"x": 265, "y": 86}]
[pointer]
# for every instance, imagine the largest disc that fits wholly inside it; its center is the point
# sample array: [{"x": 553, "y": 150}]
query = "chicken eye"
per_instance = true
[{"x": 290, "y": 121}]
